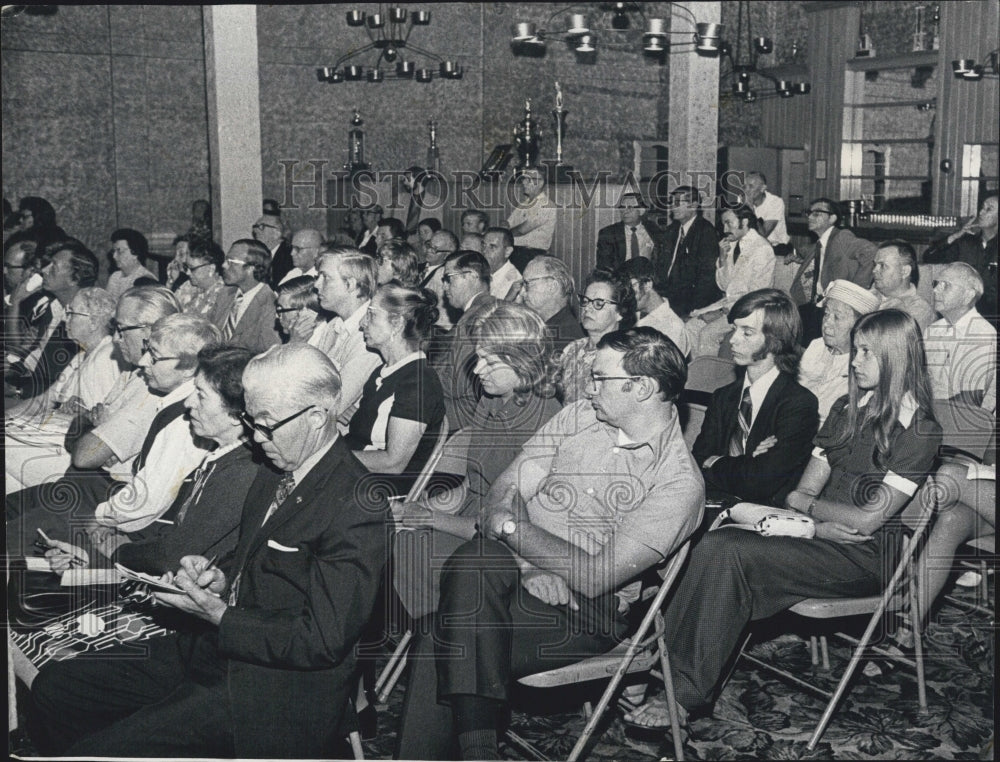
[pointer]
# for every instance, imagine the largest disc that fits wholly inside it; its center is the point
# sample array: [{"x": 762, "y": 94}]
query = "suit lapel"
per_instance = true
[{"x": 765, "y": 415}]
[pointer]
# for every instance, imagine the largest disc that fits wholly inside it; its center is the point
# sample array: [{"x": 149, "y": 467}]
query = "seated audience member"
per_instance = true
[
  {"x": 389, "y": 229},
  {"x": 205, "y": 293},
  {"x": 770, "y": 211},
  {"x": 873, "y": 452},
  {"x": 823, "y": 369},
  {"x": 250, "y": 321},
  {"x": 402, "y": 406},
  {"x": 169, "y": 450},
  {"x": 204, "y": 518},
  {"x": 17, "y": 261},
  {"x": 270, "y": 672},
  {"x": 533, "y": 219},
  {"x": 297, "y": 308},
  {"x": 398, "y": 261},
  {"x": 418, "y": 201},
  {"x": 471, "y": 242},
  {"x": 201, "y": 220},
  {"x": 498, "y": 245},
  {"x": 607, "y": 305},
  {"x": 37, "y": 222},
  {"x": 269, "y": 231},
  {"x": 689, "y": 251},
  {"x": 92, "y": 372},
  {"x": 548, "y": 289},
  {"x": 38, "y": 349},
  {"x": 475, "y": 221},
  {"x": 754, "y": 442},
  {"x": 466, "y": 281},
  {"x": 345, "y": 283},
  {"x": 511, "y": 364},
  {"x": 176, "y": 277},
  {"x": 370, "y": 219},
  {"x": 436, "y": 252},
  {"x": 745, "y": 264},
  {"x": 629, "y": 238},
  {"x": 305, "y": 248},
  {"x": 975, "y": 244},
  {"x": 426, "y": 230},
  {"x": 585, "y": 547},
  {"x": 652, "y": 305},
  {"x": 962, "y": 345},
  {"x": 894, "y": 282},
  {"x": 837, "y": 255},
  {"x": 129, "y": 249}
]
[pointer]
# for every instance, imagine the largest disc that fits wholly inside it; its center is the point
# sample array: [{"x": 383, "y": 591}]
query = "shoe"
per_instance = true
[{"x": 656, "y": 711}]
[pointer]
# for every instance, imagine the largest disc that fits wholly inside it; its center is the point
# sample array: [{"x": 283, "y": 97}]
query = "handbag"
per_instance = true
[{"x": 766, "y": 520}]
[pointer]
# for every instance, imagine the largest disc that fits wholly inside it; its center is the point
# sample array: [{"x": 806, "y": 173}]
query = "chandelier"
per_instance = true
[
  {"x": 748, "y": 82},
  {"x": 389, "y": 34},
  {"x": 529, "y": 38}
]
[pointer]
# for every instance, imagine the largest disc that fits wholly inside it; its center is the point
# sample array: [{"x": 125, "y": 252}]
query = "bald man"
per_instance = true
[{"x": 306, "y": 244}]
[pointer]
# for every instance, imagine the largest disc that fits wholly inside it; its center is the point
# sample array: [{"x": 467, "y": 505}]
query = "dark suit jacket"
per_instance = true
[
  {"x": 847, "y": 257},
  {"x": 56, "y": 354},
  {"x": 256, "y": 330},
  {"x": 789, "y": 413},
  {"x": 370, "y": 248},
  {"x": 970, "y": 249},
  {"x": 691, "y": 283},
  {"x": 281, "y": 262},
  {"x": 308, "y": 581},
  {"x": 210, "y": 525},
  {"x": 611, "y": 245}
]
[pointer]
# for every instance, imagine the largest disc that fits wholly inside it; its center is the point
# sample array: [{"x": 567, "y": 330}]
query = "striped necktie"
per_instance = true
[
  {"x": 233, "y": 318},
  {"x": 738, "y": 441}
]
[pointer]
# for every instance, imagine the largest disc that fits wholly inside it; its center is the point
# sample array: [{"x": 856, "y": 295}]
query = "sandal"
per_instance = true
[{"x": 657, "y": 714}]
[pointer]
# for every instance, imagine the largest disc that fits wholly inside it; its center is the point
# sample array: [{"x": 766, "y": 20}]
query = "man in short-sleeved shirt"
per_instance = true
[{"x": 533, "y": 221}]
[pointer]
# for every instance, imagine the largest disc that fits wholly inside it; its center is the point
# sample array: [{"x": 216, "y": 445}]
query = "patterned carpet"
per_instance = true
[{"x": 760, "y": 716}]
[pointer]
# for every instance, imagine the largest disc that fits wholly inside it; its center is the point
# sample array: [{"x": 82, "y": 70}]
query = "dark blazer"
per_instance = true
[
  {"x": 970, "y": 249},
  {"x": 56, "y": 353},
  {"x": 789, "y": 413},
  {"x": 611, "y": 245},
  {"x": 281, "y": 262},
  {"x": 691, "y": 283},
  {"x": 308, "y": 581},
  {"x": 847, "y": 257},
  {"x": 256, "y": 330},
  {"x": 210, "y": 525},
  {"x": 370, "y": 247}
]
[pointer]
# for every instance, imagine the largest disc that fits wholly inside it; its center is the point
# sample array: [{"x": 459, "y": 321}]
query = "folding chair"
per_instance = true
[
  {"x": 637, "y": 654},
  {"x": 397, "y": 662},
  {"x": 901, "y": 588}
]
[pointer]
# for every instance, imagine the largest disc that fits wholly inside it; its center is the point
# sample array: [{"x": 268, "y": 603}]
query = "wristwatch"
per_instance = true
[{"x": 508, "y": 527}]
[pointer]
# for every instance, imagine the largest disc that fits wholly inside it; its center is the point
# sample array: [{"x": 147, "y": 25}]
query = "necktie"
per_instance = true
[
  {"x": 285, "y": 487},
  {"x": 818, "y": 265},
  {"x": 736, "y": 252},
  {"x": 738, "y": 441},
  {"x": 195, "y": 483},
  {"x": 233, "y": 318},
  {"x": 677, "y": 247},
  {"x": 633, "y": 245},
  {"x": 412, "y": 214}
]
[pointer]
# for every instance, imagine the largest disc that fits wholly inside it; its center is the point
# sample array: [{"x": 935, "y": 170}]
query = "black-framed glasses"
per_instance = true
[
  {"x": 813, "y": 212},
  {"x": 14, "y": 267},
  {"x": 596, "y": 379},
  {"x": 449, "y": 277},
  {"x": 147, "y": 349},
  {"x": 597, "y": 304},
  {"x": 191, "y": 268},
  {"x": 120, "y": 330},
  {"x": 262, "y": 225},
  {"x": 71, "y": 313},
  {"x": 286, "y": 310},
  {"x": 268, "y": 431}
]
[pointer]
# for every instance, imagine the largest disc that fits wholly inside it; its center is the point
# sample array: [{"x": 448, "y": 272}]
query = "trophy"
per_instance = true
[
  {"x": 559, "y": 113},
  {"x": 356, "y": 146},
  {"x": 526, "y": 136}
]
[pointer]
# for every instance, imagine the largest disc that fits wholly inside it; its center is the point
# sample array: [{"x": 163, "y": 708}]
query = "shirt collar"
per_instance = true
[
  {"x": 907, "y": 408},
  {"x": 219, "y": 452},
  {"x": 825, "y": 238},
  {"x": 388, "y": 370},
  {"x": 248, "y": 295},
  {"x": 181, "y": 392},
  {"x": 760, "y": 387},
  {"x": 967, "y": 318},
  {"x": 686, "y": 226},
  {"x": 353, "y": 323},
  {"x": 309, "y": 463}
]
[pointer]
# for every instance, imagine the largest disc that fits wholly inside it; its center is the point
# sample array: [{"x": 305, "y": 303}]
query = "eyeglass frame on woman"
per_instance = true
[
  {"x": 283, "y": 310},
  {"x": 148, "y": 350},
  {"x": 189, "y": 269},
  {"x": 599, "y": 304},
  {"x": 268, "y": 431}
]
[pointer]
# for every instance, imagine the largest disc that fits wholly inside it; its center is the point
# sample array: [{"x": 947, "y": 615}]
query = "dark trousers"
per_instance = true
[
  {"x": 129, "y": 705},
  {"x": 735, "y": 576},
  {"x": 487, "y": 632}
]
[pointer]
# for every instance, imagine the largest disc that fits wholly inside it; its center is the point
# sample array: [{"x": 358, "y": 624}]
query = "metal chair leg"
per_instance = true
[
  {"x": 356, "y": 749},
  {"x": 918, "y": 645},
  {"x": 668, "y": 688},
  {"x": 813, "y": 652},
  {"x": 396, "y": 656}
]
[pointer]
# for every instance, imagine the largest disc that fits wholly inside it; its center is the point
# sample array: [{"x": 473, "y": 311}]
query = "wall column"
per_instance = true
[
  {"x": 693, "y": 137},
  {"x": 233, "y": 84}
]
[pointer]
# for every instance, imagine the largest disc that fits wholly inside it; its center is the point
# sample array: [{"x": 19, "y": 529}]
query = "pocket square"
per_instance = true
[{"x": 279, "y": 546}]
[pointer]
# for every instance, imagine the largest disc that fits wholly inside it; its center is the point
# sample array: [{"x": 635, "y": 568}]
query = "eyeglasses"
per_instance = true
[
  {"x": 147, "y": 349},
  {"x": 814, "y": 212},
  {"x": 449, "y": 277},
  {"x": 71, "y": 313},
  {"x": 636, "y": 208},
  {"x": 262, "y": 225},
  {"x": 528, "y": 281},
  {"x": 119, "y": 330},
  {"x": 597, "y": 304},
  {"x": 596, "y": 379},
  {"x": 268, "y": 431},
  {"x": 14, "y": 267},
  {"x": 230, "y": 260},
  {"x": 190, "y": 269},
  {"x": 285, "y": 310}
]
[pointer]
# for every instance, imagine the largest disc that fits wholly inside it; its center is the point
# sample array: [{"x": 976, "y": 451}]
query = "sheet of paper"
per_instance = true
[{"x": 75, "y": 577}]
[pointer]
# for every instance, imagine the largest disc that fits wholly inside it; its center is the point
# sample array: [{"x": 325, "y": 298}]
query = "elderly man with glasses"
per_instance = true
[
  {"x": 837, "y": 255},
  {"x": 270, "y": 231},
  {"x": 269, "y": 671},
  {"x": 630, "y": 237},
  {"x": 250, "y": 321},
  {"x": 548, "y": 288}
]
